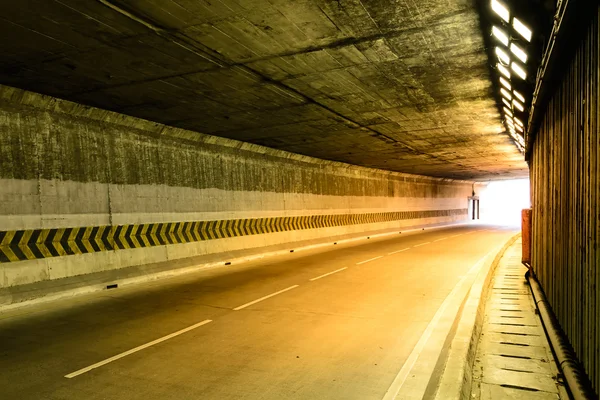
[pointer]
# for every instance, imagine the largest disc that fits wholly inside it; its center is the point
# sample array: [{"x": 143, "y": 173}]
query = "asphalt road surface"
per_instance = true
[{"x": 333, "y": 323}]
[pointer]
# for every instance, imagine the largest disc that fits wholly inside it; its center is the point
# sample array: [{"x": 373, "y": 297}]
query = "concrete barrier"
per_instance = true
[{"x": 87, "y": 193}]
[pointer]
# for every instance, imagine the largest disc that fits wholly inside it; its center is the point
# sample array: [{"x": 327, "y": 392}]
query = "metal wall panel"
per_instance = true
[{"x": 566, "y": 202}]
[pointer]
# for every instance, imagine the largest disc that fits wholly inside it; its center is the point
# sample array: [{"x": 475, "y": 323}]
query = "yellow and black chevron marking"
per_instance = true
[{"x": 42, "y": 243}]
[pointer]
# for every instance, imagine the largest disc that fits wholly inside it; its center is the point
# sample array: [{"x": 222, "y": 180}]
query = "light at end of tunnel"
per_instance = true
[
  {"x": 502, "y": 56},
  {"x": 506, "y": 94},
  {"x": 505, "y": 83},
  {"x": 500, "y": 35},
  {"x": 501, "y": 202},
  {"x": 518, "y": 105},
  {"x": 506, "y": 102},
  {"x": 507, "y": 111},
  {"x": 518, "y": 122},
  {"x": 519, "y": 96},
  {"x": 518, "y": 70},
  {"x": 501, "y": 10},
  {"x": 517, "y": 51},
  {"x": 522, "y": 29}
]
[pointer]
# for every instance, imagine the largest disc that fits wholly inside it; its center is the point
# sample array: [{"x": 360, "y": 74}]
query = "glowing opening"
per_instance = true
[
  {"x": 522, "y": 29},
  {"x": 500, "y": 35},
  {"x": 517, "y": 51},
  {"x": 518, "y": 70},
  {"x": 519, "y": 96},
  {"x": 502, "y": 56},
  {"x": 506, "y": 93}
]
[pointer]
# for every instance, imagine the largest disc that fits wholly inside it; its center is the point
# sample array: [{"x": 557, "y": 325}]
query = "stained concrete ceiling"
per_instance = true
[{"x": 402, "y": 85}]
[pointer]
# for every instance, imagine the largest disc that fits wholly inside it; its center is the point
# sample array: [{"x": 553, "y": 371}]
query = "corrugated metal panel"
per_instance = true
[{"x": 566, "y": 202}]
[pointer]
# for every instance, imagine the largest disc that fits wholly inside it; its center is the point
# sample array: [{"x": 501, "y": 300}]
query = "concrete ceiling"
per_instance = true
[{"x": 402, "y": 85}]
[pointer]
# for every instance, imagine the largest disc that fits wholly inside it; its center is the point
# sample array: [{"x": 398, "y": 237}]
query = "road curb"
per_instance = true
[{"x": 456, "y": 379}]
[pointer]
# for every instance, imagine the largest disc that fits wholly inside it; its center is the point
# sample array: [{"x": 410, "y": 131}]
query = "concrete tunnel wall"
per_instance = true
[{"x": 91, "y": 193}]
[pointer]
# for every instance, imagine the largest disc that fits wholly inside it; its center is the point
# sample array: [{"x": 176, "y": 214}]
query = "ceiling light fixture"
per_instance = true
[
  {"x": 502, "y": 56},
  {"x": 503, "y": 70},
  {"x": 517, "y": 51},
  {"x": 505, "y": 83},
  {"x": 518, "y": 70},
  {"x": 506, "y": 102},
  {"x": 519, "y": 96},
  {"x": 507, "y": 111},
  {"x": 501, "y": 10},
  {"x": 500, "y": 35},
  {"x": 518, "y": 105},
  {"x": 519, "y": 129},
  {"x": 522, "y": 29},
  {"x": 518, "y": 121},
  {"x": 506, "y": 93}
]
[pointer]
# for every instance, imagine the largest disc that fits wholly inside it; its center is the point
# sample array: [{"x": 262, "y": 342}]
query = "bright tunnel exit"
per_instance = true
[{"x": 501, "y": 202}]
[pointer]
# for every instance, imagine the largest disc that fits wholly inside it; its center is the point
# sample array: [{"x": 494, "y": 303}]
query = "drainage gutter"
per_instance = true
[{"x": 574, "y": 374}]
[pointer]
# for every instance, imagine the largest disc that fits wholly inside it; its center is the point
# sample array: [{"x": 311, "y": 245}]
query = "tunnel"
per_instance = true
[{"x": 299, "y": 199}]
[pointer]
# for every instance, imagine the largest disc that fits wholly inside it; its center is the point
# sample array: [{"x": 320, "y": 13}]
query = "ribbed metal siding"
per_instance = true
[{"x": 566, "y": 203}]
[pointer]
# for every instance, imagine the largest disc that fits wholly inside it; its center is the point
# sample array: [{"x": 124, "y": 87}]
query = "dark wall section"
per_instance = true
[{"x": 566, "y": 203}]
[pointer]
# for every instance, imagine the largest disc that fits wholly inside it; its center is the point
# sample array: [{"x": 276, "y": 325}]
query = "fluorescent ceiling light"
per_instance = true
[
  {"x": 518, "y": 105},
  {"x": 502, "y": 56},
  {"x": 503, "y": 70},
  {"x": 500, "y": 35},
  {"x": 518, "y": 121},
  {"x": 505, "y": 83},
  {"x": 517, "y": 51},
  {"x": 519, "y": 129},
  {"x": 506, "y": 102},
  {"x": 518, "y": 95},
  {"x": 506, "y": 93},
  {"x": 518, "y": 70},
  {"x": 522, "y": 29},
  {"x": 501, "y": 10},
  {"x": 507, "y": 111}
]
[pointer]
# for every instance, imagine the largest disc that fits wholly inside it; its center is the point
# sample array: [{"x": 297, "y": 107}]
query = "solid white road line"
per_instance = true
[
  {"x": 398, "y": 251},
  {"x": 422, "y": 244},
  {"x": 370, "y": 259},
  {"x": 136, "y": 349},
  {"x": 396, "y": 385},
  {"x": 327, "y": 274},
  {"x": 264, "y": 298}
]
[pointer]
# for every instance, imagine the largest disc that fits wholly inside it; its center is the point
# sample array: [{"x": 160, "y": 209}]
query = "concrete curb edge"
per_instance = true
[{"x": 456, "y": 379}]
